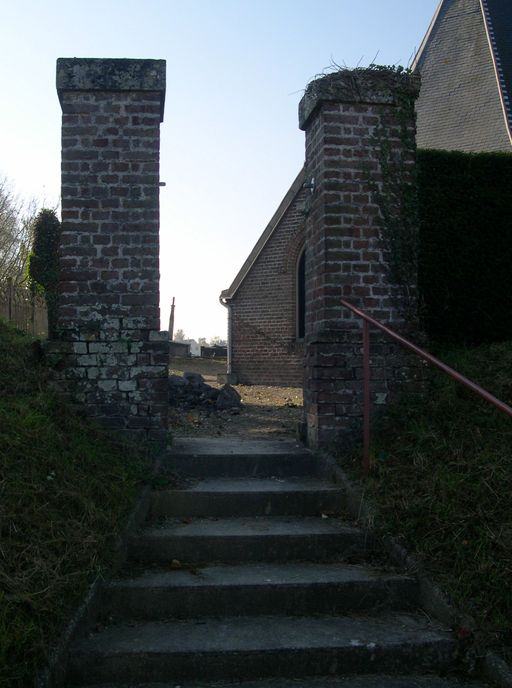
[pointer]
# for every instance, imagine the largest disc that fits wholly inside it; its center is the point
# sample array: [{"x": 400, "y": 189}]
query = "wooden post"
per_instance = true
[
  {"x": 32, "y": 313},
  {"x": 9, "y": 298},
  {"x": 171, "y": 322}
]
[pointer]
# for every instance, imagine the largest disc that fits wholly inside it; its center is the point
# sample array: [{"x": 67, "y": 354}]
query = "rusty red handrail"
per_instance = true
[{"x": 367, "y": 321}]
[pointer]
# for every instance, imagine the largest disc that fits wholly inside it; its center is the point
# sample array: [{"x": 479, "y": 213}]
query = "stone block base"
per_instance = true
[
  {"x": 333, "y": 396},
  {"x": 119, "y": 381}
]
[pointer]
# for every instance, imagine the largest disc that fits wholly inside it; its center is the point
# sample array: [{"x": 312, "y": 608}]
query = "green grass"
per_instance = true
[
  {"x": 65, "y": 491},
  {"x": 442, "y": 481}
]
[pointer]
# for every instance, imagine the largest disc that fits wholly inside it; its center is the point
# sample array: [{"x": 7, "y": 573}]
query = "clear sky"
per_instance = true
[{"x": 231, "y": 147}]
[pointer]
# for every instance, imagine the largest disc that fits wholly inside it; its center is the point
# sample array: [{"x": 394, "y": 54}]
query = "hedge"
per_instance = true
[{"x": 465, "y": 262}]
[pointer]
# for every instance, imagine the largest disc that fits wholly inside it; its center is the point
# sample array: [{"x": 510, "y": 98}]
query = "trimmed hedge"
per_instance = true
[{"x": 465, "y": 263}]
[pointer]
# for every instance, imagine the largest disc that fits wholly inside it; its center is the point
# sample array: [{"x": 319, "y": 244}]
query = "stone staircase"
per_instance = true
[{"x": 248, "y": 576}]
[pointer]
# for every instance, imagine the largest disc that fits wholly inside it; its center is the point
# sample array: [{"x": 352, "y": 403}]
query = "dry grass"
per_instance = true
[
  {"x": 64, "y": 492},
  {"x": 209, "y": 368},
  {"x": 443, "y": 482}
]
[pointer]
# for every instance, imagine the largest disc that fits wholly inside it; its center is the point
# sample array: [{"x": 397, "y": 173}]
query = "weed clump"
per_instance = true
[{"x": 65, "y": 490}]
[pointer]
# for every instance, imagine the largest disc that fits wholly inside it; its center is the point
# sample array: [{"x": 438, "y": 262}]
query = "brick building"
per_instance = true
[
  {"x": 265, "y": 327},
  {"x": 465, "y": 62}
]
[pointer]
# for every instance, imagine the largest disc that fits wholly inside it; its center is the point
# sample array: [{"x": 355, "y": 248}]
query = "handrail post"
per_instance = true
[
  {"x": 424, "y": 355},
  {"x": 366, "y": 398}
]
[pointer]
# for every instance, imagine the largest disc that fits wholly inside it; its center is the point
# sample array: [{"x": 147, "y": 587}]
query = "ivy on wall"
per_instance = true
[
  {"x": 446, "y": 230},
  {"x": 396, "y": 192},
  {"x": 43, "y": 268}
]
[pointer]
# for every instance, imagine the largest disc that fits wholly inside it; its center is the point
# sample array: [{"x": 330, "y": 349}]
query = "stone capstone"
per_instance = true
[
  {"x": 362, "y": 86},
  {"x": 114, "y": 75}
]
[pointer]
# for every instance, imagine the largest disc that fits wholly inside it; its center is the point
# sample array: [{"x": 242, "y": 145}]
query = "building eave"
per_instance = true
[
  {"x": 290, "y": 196},
  {"x": 426, "y": 38}
]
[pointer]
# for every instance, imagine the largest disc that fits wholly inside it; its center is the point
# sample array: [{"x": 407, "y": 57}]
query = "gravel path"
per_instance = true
[{"x": 267, "y": 411}]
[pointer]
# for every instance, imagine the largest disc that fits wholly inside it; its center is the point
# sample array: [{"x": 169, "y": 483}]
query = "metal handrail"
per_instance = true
[{"x": 367, "y": 321}]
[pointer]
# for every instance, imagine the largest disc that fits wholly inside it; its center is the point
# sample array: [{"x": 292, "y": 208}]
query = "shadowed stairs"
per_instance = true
[{"x": 247, "y": 575}]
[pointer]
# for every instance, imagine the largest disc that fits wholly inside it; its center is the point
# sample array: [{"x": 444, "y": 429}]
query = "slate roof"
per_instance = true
[
  {"x": 465, "y": 62},
  {"x": 465, "y": 103}
]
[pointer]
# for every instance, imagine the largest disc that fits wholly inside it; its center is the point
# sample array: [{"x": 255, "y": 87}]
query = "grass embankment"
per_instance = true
[
  {"x": 65, "y": 490},
  {"x": 443, "y": 481}
]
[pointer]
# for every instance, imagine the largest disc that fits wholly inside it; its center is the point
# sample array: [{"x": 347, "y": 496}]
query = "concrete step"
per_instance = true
[
  {"x": 236, "y": 540},
  {"x": 238, "y": 457},
  {"x": 318, "y": 682},
  {"x": 250, "y": 497},
  {"x": 295, "y": 589},
  {"x": 259, "y": 647}
]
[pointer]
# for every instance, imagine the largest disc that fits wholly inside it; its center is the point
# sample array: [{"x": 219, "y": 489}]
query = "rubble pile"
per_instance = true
[{"x": 190, "y": 391}]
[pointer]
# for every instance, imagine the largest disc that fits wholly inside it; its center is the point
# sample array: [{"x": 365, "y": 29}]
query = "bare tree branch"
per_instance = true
[{"x": 16, "y": 216}]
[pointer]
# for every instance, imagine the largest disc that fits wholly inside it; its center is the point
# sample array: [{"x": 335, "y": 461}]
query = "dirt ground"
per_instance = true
[{"x": 266, "y": 411}]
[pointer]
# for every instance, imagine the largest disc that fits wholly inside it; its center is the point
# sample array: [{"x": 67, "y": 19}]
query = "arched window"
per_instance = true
[{"x": 301, "y": 294}]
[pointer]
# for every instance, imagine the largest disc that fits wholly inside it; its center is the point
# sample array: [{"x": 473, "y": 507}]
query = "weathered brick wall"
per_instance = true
[
  {"x": 340, "y": 114},
  {"x": 113, "y": 359},
  {"x": 264, "y": 345}
]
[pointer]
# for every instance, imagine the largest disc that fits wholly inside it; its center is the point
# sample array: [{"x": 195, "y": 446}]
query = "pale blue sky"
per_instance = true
[{"x": 230, "y": 142}]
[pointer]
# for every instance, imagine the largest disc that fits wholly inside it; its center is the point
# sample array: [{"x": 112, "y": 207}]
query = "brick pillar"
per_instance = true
[
  {"x": 112, "y": 357},
  {"x": 347, "y": 116}
]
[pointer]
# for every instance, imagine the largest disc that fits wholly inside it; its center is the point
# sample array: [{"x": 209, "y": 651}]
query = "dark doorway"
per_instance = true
[{"x": 301, "y": 295}]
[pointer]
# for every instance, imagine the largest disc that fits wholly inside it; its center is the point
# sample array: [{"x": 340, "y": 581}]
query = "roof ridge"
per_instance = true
[{"x": 502, "y": 84}]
